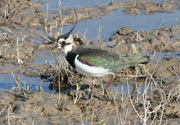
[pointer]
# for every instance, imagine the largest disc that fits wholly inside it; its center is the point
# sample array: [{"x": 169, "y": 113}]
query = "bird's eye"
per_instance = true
[{"x": 63, "y": 42}]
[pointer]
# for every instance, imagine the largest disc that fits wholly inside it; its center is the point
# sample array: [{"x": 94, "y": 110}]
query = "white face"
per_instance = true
[{"x": 66, "y": 44}]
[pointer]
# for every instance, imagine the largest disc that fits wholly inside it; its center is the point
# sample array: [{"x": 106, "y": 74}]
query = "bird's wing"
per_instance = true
[{"x": 93, "y": 56}]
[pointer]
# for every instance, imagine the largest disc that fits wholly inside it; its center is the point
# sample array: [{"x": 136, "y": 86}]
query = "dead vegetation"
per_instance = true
[{"x": 147, "y": 95}]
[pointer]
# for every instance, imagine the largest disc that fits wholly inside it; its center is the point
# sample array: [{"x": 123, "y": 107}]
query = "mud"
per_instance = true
[{"x": 26, "y": 32}]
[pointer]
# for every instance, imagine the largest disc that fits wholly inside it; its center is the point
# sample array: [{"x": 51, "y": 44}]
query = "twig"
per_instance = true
[
  {"x": 99, "y": 33},
  {"x": 17, "y": 50},
  {"x": 16, "y": 80},
  {"x": 175, "y": 72},
  {"x": 92, "y": 117}
]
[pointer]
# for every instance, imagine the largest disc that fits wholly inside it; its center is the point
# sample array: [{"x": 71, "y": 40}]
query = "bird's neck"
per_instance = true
[
  {"x": 70, "y": 57},
  {"x": 69, "y": 48}
]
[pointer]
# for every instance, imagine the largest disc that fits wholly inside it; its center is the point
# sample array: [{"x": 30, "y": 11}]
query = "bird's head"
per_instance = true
[
  {"x": 66, "y": 41},
  {"x": 66, "y": 44}
]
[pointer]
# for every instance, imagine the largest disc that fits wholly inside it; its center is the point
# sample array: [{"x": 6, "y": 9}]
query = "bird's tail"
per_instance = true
[
  {"x": 136, "y": 58},
  {"x": 133, "y": 60}
]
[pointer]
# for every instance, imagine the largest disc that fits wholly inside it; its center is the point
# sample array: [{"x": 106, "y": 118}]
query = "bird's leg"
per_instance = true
[
  {"x": 92, "y": 90},
  {"x": 106, "y": 89}
]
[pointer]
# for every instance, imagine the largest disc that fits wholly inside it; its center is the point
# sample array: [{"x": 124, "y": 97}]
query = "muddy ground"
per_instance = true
[{"x": 27, "y": 31}]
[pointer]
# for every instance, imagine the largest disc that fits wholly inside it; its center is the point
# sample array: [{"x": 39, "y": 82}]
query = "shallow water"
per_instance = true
[
  {"x": 43, "y": 57},
  {"x": 8, "y": 82},
  {"x": 54, "y": 4},
  {"x": 116, "y": 19},
  {"x": 159, "y": 56},
  {"x": 121, "y": 89}
]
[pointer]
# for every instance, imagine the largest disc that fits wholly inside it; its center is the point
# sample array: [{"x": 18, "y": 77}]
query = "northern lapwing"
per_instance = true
[{"x": 92, "y": 61}]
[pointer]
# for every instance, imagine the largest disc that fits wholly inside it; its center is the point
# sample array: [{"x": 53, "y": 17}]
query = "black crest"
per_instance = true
[{"x": 65, "y": 36}]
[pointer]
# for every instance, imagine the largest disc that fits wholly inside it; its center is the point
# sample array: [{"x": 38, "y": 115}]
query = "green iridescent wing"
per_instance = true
[{"x": 101, "y": 58}]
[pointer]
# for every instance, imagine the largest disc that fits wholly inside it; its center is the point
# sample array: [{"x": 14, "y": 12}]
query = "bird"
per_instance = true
[{"x": 94, "y": 62}]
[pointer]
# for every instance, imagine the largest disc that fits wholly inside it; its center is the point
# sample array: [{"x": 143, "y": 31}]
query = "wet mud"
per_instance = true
[{"x": 26, "y": 31}]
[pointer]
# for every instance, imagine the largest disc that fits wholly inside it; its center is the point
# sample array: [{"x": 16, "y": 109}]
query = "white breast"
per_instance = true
[{"x": 89, "y": 70}]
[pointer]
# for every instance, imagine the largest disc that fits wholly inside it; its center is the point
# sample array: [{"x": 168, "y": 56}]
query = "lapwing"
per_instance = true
[{"x": 92, "y": 61}]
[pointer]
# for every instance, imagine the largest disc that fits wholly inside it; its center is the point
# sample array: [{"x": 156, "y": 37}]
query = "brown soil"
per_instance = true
[{"x": 22, "y": 25}]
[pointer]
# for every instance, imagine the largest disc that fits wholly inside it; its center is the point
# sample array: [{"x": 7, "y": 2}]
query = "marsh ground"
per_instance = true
[{"x": 27, "y": 35}]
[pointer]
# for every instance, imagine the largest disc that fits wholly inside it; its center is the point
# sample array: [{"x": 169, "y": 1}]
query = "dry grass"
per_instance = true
[
  {"x": 148, "y": 100},
  {"x": 147, "y": 107},
  {"x": 61, "y": 67}
]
